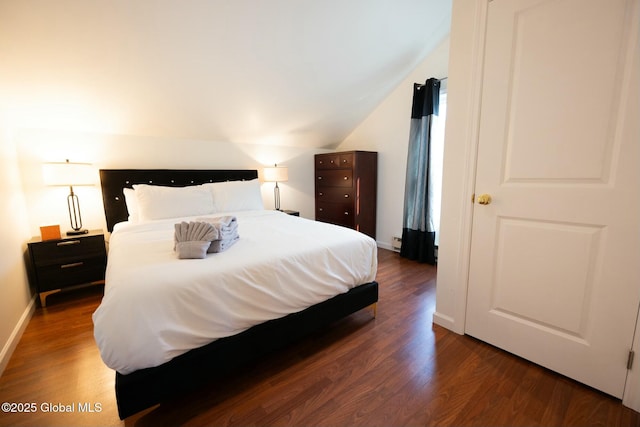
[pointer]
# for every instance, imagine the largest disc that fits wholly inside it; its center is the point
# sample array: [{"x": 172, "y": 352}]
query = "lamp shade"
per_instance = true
[
  {"x": 276, "y": 174},
  {"x": 68, "y": 174}
]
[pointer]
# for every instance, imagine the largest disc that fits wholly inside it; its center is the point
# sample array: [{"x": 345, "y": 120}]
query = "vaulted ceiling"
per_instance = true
[{"x": 290, "y": 72}]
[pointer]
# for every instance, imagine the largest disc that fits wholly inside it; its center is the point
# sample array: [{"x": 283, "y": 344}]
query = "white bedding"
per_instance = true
[{"x": 157, "y": 306}]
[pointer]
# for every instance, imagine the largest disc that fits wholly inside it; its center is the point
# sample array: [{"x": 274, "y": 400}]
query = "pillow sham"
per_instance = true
[
  {"x": 131, "y": 203},
  {"x": 232, "y": 196},
  {"x": 160, "y": 202}
]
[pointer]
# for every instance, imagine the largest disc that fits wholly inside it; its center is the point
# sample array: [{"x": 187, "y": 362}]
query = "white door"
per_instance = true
[{"x": 555, "y": 257}]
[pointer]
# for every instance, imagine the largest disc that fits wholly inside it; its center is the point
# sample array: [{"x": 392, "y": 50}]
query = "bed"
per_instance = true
[{"x": 284, "y": 278}]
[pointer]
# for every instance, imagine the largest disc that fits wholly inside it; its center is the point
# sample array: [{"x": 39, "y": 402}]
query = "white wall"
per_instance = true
[
  {"x": 47, "y": 205},
  {"x": 16, "y": 302},
  {"x": 386, "y": 130}
]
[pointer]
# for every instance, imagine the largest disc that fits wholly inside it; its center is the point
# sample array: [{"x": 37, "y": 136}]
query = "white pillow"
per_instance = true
[
  {"x": 232, "y": 196},
  {"x": 132, "y": 203},
  {"x": 158, "y": 202}
]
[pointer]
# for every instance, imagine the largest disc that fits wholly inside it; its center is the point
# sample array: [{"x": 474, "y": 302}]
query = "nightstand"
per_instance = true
[
  {"x": 66, "y": 262},
  {"x": 293, "y": 213}
]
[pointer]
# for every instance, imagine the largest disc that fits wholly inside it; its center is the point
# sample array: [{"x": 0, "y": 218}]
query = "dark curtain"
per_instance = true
[{"x": 418, "y": 232}]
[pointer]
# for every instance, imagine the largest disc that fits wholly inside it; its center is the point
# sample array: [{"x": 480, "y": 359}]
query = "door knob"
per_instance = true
[{"x": 484, "y": 199}]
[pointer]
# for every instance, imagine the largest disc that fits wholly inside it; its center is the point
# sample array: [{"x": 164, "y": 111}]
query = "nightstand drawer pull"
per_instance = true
[
  {"x": 72, "y": 265},
  {"x": 68, "y": 242}
]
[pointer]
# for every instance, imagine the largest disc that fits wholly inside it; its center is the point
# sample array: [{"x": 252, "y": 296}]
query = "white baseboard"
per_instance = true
[
  {"x": 446, "y": 322},
  {"x": 14, "y": 339},
  {"x": 384, "y": 245}
]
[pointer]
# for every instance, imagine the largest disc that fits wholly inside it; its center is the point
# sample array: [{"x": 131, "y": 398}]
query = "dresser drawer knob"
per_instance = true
[
  {"x": 72, "y": 265},
  {"x": 346, "y": 178},
  {"x": 68, "y": 242},
  {"x": 320, "y": 194},
  {"x": 346, "y": 213},
  {"x": 346, "y": 196},
  {"x": 320, "y": 209},
  {"x": 319, "y": 177}
]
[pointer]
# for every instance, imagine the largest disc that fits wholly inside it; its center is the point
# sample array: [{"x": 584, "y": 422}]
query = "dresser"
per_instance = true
[
  {"x": 66, "y": 262},
  {"x": 346, "y": 188}
]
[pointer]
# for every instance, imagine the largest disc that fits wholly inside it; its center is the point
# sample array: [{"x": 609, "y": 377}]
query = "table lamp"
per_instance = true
[
  {"x": 276, "y": 174},
  {"x": 70, "y": 174}
]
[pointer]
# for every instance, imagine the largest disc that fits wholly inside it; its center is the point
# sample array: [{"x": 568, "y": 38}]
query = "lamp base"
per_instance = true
[{"x": 77, "y": 232}]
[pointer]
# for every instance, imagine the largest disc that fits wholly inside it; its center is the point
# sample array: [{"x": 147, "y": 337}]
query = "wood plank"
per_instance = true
[{"x": 396, "y": 369}]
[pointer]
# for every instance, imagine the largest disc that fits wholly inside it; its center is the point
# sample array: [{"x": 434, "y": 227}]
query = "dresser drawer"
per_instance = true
[
  {"x": 327, "y": 161},
  {"x": 334, "y": 161},
  {"x": 69, "y": 274},
  {"x": 335, "y": 213},
  {"x": 68, "y": 250},
  {"x": 344, "y": 222},
  {"x": 334, "y": 178},
  {"x": 346, "y": 161},
  {"x": 334, "y": 194}
]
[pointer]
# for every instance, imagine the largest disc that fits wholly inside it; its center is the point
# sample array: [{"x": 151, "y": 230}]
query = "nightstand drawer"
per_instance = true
[
  {"x": 63, "y": 263},
  {"x": 68, "y": 250},
  {"x": 69, "y": 274}
]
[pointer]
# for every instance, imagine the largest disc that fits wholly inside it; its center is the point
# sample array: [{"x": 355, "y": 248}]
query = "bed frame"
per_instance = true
[{"x": 148, "y": 387}]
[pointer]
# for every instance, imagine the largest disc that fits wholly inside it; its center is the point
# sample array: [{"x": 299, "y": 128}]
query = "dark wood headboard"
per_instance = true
[{"x": 113, "y": 181}]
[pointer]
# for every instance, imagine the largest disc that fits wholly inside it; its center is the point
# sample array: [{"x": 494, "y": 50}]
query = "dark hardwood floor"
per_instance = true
[{"x": 395, "y": 370}]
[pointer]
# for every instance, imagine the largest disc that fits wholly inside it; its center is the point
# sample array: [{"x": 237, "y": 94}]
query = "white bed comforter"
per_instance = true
[{"x": 157, "y": 306}]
